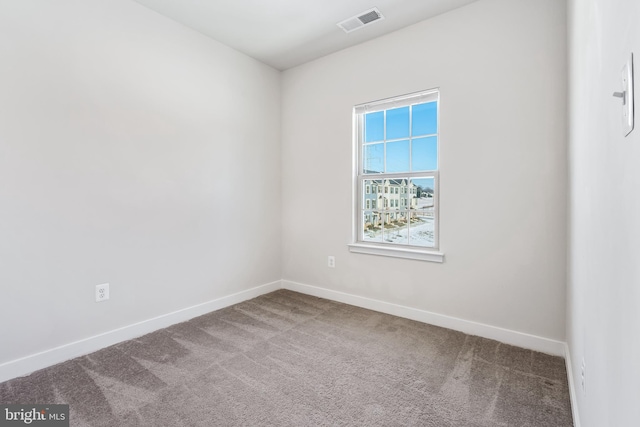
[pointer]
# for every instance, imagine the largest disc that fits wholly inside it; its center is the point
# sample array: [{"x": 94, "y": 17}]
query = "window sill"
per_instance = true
[{"x": 397, "y": 252}]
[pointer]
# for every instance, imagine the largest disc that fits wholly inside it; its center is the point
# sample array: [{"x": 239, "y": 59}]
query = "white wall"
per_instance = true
[
  {"x": 133, "y": 151},
  {"x": 501, "y": 69},
  {"x": 604, "y": 282}
]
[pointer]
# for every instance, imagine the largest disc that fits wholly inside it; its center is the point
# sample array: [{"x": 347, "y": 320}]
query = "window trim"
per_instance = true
[
  {"x": 397, "y": 252},
  {"x": 357, "y": 245}
]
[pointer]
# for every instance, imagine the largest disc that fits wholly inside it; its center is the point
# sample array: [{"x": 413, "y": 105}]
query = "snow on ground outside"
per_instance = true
[{"x": 420, "y": 233}]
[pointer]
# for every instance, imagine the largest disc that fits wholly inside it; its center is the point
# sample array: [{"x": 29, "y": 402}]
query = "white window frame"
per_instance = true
[{"x": 358, "y": 244}]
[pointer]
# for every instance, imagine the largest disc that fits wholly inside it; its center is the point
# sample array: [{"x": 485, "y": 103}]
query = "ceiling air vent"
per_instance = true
[{"x": 365, "y": 18}]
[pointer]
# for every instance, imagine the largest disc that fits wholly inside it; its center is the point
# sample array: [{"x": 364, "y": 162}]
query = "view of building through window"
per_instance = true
[
  {"x": 398, "y": 151},
  {"x": 404, "y": 214}
]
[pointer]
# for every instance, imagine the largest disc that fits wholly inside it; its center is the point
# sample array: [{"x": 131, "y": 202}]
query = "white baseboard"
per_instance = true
[
  {"x": 26, "y": 365},
  {"x": 519, "y": 339},
  {"x": 572, "y": 387},
  {"x": 34, "y": 362}
]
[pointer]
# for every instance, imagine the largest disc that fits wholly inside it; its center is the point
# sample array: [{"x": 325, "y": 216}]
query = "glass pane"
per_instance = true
[
  {"x": 398, "y": 123},
  {"x": 396, "y": 227},
  {"x": 424, "y": 119},
  {"x": 372, "y": 158},
  {"x": 421, "y": 228},
  {"x": 372, "y": 231},
  {"x": 372, "y": 199},
  {"x": 398, "y": 156},
  {"x": 424, "y": 154},
  {"x": 423, "y": 191},
  {"x": 374, "y": 126}
]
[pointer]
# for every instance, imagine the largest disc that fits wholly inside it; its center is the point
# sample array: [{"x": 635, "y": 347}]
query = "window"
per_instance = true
[{"x": 397, "y": 143}]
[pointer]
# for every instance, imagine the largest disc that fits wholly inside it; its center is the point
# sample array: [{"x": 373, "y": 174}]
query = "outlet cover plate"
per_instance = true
[{"x": 102, "y": 292}]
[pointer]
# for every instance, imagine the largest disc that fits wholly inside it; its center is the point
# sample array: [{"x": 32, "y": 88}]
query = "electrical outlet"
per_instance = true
[
  {"x": 583, "y": 377},
  {"x": 102, "y": 292},
  {"x": 331, "y": 261}
]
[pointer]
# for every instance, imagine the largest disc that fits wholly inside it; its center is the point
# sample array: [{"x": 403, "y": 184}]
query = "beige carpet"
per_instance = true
[{"x": 287, "y": 359}]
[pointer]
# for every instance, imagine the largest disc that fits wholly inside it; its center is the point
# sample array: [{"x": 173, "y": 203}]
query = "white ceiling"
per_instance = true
[{"x": 286, "y": 33}]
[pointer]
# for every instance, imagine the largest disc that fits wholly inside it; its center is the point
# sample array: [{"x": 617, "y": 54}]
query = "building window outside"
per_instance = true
[{"x": 398, "y": 146}]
